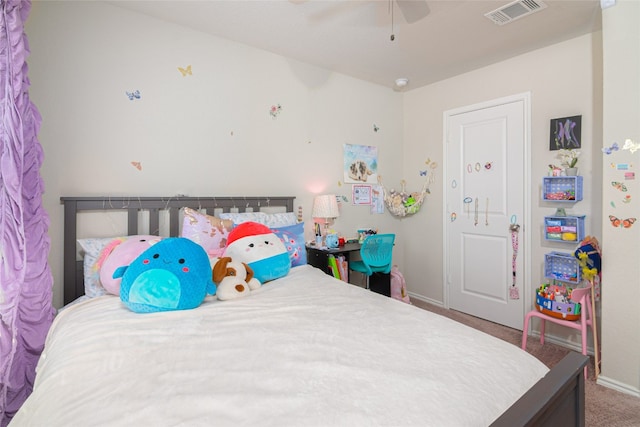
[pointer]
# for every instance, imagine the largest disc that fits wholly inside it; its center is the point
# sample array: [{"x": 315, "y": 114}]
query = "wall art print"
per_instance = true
[
  {"x": 361, "y": 194},
  {"x": 565, "y": 133},
  {"x": 360, "y": 164}
]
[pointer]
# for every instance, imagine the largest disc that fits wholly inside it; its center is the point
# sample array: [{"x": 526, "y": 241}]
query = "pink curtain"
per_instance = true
[{"x": 26, "y": 283}]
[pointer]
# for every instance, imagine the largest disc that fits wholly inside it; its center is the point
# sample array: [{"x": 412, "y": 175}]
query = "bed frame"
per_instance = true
[
  {"x": 555, "y": 400},
  {"x": 153, "y": 206}
]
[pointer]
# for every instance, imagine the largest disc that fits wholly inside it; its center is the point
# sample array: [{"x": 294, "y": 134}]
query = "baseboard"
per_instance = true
[
  {"x": 616, "y": 385},
  {"x": 562, "y": 342},
  {"x": 425, "y": 299}
]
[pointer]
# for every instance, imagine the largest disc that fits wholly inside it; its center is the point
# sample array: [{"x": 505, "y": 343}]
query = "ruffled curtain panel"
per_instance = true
[{"x": 26, "y": 310}]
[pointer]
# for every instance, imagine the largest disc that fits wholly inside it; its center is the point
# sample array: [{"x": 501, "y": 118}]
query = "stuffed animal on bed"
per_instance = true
[
  {"x": 234, "y": 279},
  {"x": 119, "y": 252},
  {"x": 173, "y": 274},
  {"x": 259, "y": 247}
]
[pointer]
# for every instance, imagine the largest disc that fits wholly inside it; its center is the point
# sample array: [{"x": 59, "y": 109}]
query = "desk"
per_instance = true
[{"x": 318, "y": 257}]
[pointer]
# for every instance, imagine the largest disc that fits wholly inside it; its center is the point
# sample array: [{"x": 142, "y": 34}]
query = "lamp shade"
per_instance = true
[{"x": 325, "y": 206}]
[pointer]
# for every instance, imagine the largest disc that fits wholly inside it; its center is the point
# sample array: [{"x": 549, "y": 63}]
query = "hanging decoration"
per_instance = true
[{"x": 402, "y": 204}]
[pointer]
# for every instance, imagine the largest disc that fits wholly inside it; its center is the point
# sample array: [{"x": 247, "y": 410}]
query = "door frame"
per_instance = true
[{"x": 524, "y": 247}]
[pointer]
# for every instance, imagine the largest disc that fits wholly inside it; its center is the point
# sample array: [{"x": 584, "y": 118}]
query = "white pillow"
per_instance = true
[
  {"x": 281, "y": 219},
  {"x": 239, "y": 218},
  {"x": 92, "y": 247},
  {"x": 271, "y": 220}
]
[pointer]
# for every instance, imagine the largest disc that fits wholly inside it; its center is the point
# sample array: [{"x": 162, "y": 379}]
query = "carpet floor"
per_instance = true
[{"x": 604, "y": 406}]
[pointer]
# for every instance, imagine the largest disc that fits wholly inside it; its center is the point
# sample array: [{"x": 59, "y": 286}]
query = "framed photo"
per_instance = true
[
  {"x": 361, "y": 194},
  {"x": 360, "y": 164},
  {"x": 565, "y": 133}
]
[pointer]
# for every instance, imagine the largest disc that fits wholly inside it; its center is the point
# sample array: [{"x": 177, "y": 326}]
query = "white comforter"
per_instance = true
[{"x": 305, "y": 350}]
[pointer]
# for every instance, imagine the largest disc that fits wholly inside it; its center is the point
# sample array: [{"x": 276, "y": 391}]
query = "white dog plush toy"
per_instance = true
[{"x": 233, "y": 278}]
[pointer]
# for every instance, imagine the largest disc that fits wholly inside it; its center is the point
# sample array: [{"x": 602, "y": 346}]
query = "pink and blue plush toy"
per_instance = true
[
  {"x": 259, "y": 247},
  {"x": 121, "y": 251},
  {"x": 173, "y": 274}
]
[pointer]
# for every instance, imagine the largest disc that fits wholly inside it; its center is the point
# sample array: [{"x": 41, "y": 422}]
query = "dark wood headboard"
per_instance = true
[{"x": 73, "y": 269}]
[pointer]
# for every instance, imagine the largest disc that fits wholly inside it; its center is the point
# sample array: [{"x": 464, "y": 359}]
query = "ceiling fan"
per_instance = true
[{"x": 412, "y": 10}]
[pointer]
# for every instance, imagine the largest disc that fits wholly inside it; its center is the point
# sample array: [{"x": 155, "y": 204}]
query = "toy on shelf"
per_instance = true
[
  {"x": 562, "y": 266},
  {"x": 562, "y": 188},
  {"x": 555, "y": 301},
  {"x": 568, "y": 229}
]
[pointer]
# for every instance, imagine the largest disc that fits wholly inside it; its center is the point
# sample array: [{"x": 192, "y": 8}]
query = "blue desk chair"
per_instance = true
[{"x": 376, "y": 253}]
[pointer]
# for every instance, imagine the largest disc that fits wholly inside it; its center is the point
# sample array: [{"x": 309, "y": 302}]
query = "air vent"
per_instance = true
[{"x": 515, "y": 10}]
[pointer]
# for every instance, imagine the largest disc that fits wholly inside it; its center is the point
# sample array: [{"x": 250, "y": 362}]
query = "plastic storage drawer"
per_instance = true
[{"x": 562, "y": 188}]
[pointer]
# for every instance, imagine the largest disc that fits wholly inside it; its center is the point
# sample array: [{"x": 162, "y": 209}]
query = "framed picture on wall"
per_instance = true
[
  {"x": 565, "y": 133},
  {"x": 360, "y": 164},
  {"x": 361, "y": 194}
]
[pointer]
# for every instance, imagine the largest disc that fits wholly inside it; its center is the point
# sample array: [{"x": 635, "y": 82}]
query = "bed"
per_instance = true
[{"x": 303, "y": 350}]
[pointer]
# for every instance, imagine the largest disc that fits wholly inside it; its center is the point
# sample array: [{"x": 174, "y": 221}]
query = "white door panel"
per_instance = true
[
  {"x": 490, "y": 253},
  {"x": 485, "y": 192}
]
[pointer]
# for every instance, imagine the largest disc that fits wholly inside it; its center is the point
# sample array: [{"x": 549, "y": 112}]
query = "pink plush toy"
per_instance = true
[{"x": 121, "y": 251}]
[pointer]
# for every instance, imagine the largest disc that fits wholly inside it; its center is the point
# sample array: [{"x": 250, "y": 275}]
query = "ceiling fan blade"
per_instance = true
[{"x": 413, "y": 10}]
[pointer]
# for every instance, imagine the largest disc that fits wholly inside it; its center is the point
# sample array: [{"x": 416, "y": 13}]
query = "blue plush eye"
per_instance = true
[
  {"x": 156, "y": 256},
  {"x": 181, "y": 261}
]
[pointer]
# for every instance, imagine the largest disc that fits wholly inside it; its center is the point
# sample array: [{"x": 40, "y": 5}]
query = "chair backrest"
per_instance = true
[
  {"x": 377, "y": 252},
  {"x": 580, "y": 294}
]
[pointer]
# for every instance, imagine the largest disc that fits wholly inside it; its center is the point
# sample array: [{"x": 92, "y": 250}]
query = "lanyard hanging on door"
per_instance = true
[{"x": 514, "y": 292}]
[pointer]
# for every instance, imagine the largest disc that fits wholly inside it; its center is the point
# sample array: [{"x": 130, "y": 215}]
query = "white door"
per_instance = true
[{"x": 486, "y": 192}]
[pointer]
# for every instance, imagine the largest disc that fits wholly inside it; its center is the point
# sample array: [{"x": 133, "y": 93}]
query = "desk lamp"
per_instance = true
[{"x": 325, "y": 209}]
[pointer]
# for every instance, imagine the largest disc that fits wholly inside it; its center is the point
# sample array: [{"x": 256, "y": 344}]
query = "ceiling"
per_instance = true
[{"x": 353, "y": 37}]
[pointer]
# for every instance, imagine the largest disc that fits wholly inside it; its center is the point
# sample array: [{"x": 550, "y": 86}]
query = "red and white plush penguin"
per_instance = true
[{"x": 260, "y": 248}]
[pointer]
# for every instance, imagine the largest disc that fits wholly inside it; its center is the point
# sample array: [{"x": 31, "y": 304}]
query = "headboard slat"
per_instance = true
[
  {"x": 174, "y": 222},
  {"x": 132, "y": 221},
  {"x": 73, "y": 282},
  {"x": 154, "y": 222}
]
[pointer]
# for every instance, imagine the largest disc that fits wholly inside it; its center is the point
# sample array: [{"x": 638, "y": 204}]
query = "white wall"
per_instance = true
[
  {"x": 86, "y": 55},
  {"x": 563, "y": 81},
  {"x": 620, "y": 267}
]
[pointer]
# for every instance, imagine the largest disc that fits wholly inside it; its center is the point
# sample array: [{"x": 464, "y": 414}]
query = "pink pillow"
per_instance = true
[
  {"x": 208, "y": 231},
  {"x": 119, "y": 252}
]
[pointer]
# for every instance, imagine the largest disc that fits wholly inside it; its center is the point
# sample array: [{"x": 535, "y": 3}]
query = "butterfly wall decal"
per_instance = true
[
  {"x": 619, "y": 186},
  {"x": 133, "y": 95},
  {"x": 137, "y": 165},
  {"x": 609, "y": 150},
  {"x": 185, "y": 71},
  {"x": 375, "y": 128},
  {"x": 631, "y": 146},
  {"x": 423, "y": 173},
  {"x": 624, "y": 223}
]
